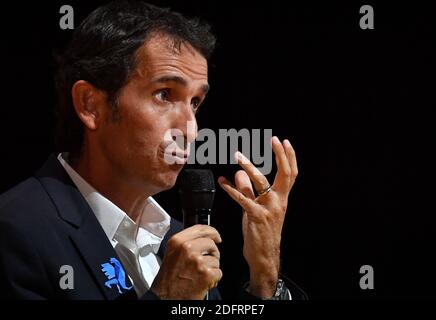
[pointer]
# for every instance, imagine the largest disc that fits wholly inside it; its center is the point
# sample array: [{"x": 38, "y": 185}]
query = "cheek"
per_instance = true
[
  {"x": 143, "y": 125},
  {"x": 146, "y": 130}
]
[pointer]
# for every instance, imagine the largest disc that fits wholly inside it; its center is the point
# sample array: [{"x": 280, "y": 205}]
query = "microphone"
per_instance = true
[{"x": 197, "y": 192}]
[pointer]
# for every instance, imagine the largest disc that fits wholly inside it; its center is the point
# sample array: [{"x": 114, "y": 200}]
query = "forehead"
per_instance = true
[{"x": 158, "y": 56}]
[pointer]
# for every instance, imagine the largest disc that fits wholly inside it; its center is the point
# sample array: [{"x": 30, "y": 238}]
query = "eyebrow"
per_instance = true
[{"x": 205, "y": 88}]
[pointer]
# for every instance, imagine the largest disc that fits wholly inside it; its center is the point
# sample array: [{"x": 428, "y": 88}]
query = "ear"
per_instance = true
[{"x": 88, "y": 102}]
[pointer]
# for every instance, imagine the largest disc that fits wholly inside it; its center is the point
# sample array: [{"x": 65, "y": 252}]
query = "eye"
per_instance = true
[
  {"x": 196, "y": 102},
  {"x": 163, "y": 95}
]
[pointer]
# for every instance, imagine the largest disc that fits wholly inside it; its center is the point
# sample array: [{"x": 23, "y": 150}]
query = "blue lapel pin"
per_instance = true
[{"x": 115, "y": 274}]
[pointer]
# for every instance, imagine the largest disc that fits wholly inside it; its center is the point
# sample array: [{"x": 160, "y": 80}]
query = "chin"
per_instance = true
[{"x": 168, "y": 179}]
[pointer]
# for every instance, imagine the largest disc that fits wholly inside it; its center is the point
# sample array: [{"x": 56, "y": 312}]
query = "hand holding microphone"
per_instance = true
[{"x": 191, "y": 265}]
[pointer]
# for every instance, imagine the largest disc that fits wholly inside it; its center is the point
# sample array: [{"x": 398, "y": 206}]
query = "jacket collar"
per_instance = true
[{"x": 68, "y": 201}]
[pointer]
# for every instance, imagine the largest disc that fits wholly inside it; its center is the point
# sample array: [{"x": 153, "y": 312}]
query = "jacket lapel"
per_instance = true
[
  {"x": 88, "y": 237},
  {"x": 97, "y": 252},
  {"x": 175, "y": 226}
]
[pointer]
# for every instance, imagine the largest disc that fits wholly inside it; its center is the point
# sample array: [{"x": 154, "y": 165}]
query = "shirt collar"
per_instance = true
[{"x": 117, "y": 225}]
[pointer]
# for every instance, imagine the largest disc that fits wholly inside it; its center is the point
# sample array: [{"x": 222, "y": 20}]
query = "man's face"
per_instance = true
[{"x": 156, "y": 104}]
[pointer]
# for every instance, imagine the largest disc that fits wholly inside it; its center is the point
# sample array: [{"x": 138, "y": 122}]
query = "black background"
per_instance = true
[{"x": 356, "y": 104}]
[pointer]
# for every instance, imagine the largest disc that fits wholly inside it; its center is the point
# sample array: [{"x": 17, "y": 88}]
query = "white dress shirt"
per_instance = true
[{"x": 136, "y": 245}]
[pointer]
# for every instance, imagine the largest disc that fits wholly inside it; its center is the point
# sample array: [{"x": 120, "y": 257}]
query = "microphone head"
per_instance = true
[
  {"x": 195, "y": 180},
  {"x": 197, "y": 192}
]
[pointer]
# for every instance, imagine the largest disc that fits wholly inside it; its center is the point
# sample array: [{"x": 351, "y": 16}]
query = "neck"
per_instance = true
[{"x": 101, "y": 175}]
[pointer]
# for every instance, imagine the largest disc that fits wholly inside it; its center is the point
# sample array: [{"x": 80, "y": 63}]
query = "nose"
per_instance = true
[{"x": 187, "y": 123}]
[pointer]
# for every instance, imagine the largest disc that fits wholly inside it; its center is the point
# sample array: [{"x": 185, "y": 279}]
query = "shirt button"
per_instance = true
[{"x": 126, "y": 223}]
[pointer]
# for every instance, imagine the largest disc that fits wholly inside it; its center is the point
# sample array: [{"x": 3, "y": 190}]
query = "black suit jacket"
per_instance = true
[{"x": 46, "y": 223}]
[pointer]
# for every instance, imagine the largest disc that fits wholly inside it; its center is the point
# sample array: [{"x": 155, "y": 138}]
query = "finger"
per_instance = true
[
  {"x": 195, "y": 232},
  {"x": 246, "y": 203},
  {"x": 259, "y": 180},
  {"x": 243, "y": 184},
  {"x": 215, "y": 276},
  {"x": 203, "y": 246},
  {"x": 210, "y": 261},
  {"x": 282, "y": 181},
  {"x": 292, "y": 158}
]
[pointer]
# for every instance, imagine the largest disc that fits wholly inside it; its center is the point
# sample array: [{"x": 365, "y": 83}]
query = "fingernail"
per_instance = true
[{"x": 238, "y": 156}]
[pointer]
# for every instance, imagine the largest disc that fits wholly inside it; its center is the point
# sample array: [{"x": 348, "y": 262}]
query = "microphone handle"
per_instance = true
[
  {"x": 203, "y": 216},
  {"x": 197, "y": 216}
]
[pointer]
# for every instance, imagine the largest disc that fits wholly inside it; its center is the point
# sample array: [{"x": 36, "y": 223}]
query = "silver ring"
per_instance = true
[{"x": 265, "y": 191}]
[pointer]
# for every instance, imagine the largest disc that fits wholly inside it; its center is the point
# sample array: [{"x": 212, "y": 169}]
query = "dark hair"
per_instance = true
[{"x": 102, "y": 52}]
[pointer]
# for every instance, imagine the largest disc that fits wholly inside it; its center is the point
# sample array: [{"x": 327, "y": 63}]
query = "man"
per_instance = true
[{"x": 132, "y": 75}]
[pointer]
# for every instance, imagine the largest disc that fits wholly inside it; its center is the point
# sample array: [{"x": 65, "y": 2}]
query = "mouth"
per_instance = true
[
  {"x": 176, "y": 157},
  {"x": 174, "y": 153}
]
